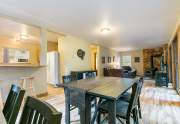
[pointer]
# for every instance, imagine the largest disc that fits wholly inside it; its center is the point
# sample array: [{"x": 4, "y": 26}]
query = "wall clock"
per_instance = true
[{"x": 80, "y": 53}]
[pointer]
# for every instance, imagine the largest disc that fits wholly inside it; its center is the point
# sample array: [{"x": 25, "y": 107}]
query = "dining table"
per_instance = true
[{"x": 109, "y": 88}]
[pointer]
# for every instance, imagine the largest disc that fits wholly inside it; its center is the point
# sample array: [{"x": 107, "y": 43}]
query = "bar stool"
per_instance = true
[{"x": 27, "y": 84}]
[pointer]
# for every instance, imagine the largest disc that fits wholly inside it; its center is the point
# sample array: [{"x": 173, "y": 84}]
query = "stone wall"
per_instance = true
[{"x": 147, "y": 53}]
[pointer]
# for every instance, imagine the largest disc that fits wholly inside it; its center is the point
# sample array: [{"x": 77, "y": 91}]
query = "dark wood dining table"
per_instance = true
[{"x": 110, "y": 88}]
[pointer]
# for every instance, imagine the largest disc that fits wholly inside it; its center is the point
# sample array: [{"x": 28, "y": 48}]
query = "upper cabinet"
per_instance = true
[
  {"x": 14, "y": 55},
  {"x": 19, "y": 54}
]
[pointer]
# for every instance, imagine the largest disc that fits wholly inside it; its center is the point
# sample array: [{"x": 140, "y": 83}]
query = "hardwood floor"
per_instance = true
[{"x": 160, "y": 105}]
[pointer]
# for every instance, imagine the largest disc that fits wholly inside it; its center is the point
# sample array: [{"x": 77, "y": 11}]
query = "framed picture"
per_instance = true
[
  {"x": 103, "y": 60},
  {"x": 114, "y": 58},
  {"x": 109, "y": 59},
  {"x": 137, "y": 59}
]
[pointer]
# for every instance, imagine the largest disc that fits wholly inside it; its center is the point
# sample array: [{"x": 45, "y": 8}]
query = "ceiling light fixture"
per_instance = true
[
  {"x": 23, "y": 36},
  {"x": 105, "y": 30}
]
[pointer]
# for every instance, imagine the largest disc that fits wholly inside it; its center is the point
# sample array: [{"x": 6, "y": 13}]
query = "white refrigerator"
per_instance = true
[{"x": 53, "y": 68}]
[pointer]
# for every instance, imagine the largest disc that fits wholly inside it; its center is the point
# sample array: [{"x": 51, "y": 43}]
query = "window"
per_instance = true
[{"x": 126, "y": 60}]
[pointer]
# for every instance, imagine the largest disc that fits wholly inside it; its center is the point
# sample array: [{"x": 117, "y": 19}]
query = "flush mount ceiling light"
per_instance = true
[
  {"x": 105, "y": 30},
  {"x": 23, "y": 36}
]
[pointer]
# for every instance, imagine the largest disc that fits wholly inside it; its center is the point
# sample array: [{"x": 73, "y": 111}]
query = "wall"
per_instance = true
[
  {"x": 93, "y": 60},
  {"x": 137, "y": 53},
  {"x": 106, "y": 52},
  {"x": 10, "y": 75},
  {"x": 147, "y": 53},
  {"x": 69, "y": 61},
  {"x": 178, "y": 33},
  {"x": 52, "y": 46},
  {"x": 171, "y": 58},
  {"x": 33, "y": 48}
]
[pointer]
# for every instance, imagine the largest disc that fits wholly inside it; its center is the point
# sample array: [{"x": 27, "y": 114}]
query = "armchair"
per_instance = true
[{"x": 128, "y": 72}]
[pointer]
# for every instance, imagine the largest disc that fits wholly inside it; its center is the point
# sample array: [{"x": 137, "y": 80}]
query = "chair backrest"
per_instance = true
[
  {"x": 13, "y": 103},
  {"x": 128, "y": 68},
  {"x": 141, "y": 79},
  {"x": 39, "y": 112},
  {"x": 136, "y": 90},
  {"x": 74, "y": 96},
  {"x": 90, "y": 75},
  {"x": 68, "y": 78}
]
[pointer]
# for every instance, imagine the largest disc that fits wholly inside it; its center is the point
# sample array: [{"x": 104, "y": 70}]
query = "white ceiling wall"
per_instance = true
[
  {"x": 12, "y": 30},
  {"x": 134, "y": 24}
]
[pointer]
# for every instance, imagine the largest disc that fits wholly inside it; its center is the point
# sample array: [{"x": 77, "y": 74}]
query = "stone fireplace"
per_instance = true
[{"x": 152, "y": 60}]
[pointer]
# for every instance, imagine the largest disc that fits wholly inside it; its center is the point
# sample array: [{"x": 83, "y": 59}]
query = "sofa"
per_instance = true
[
  {"x": 111, "y": 72},
  {"x": 128, "y": 72}
]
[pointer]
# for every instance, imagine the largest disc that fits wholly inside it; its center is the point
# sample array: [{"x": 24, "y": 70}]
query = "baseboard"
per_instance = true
[{"x": 42, "y": 94}]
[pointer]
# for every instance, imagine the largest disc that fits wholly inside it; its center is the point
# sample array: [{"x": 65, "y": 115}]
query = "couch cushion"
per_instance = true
[{"x": 128, "y": 68}]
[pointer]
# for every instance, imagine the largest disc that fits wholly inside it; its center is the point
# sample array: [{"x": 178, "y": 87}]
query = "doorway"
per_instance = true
[
  {"x": 53, "y": 58},
  {"x": 93, "y": 57}
]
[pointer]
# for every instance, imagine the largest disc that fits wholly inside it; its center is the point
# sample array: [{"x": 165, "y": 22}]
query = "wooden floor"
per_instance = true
[{"x": 160, "y": 105}]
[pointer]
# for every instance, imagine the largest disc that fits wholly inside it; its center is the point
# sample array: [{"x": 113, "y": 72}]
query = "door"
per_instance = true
[
  {"x": 95, "y": 61},
  {"x": 53, "y": 68}
]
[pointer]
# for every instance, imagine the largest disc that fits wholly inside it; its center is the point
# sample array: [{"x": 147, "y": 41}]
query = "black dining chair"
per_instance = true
[
  {"x": 75, "y": 97},
  {"x": 39, "y": 112},
  {"x": 13, "y": 103},
  {"x": 90, "y": 75},
  {"x": 124, "y": 110},
  {"x": 127, "y": 96},
  {"x": 69, "y": 79}
]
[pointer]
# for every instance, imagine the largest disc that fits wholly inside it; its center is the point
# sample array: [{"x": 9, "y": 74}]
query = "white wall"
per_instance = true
[
  {"x": 69, "y": 61},
  {"x": 10, "y": 75},
  {"x": 106, "y": 52}
]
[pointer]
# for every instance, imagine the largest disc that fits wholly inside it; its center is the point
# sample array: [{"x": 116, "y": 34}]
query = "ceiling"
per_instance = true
[
  {"x": 134, "y": 24},
  {"x": 12, "y": 30}
]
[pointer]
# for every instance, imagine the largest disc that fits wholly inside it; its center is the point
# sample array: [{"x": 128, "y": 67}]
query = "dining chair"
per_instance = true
[
  {"x": 69, "y": 79},
  {"x": 75, "y": 97},
  {"x": 13, "y": 103},
  {"x": 89, "y": 75},
  {"x": 127, "y": 96},
  {"x": 124, "y": 110},
  {"x": 38, "y": 112}
]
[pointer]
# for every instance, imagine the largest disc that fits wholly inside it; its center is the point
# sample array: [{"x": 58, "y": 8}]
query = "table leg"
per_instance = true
[
  {"x": 88, "y": 109},
  {"x": 67, "y": 109},
  {"x": 82, "y": 116},
  {"x": 96, "y": 111},
  {"x": 112, "y": 111}
]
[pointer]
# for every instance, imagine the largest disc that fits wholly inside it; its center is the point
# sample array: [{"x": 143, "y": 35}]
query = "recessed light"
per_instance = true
[{"x": 105, "y": 30}]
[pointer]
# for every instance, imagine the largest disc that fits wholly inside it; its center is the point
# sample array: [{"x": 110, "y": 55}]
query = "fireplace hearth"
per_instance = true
[{"x": 154, "y": 59}]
